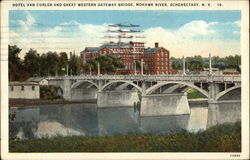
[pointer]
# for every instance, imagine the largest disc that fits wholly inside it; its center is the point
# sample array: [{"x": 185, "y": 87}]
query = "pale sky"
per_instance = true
[{"x": 183, "y": 33}]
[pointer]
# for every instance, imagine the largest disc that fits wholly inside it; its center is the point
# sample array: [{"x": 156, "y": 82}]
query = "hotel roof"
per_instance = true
[{"x": 119, "y": 45}]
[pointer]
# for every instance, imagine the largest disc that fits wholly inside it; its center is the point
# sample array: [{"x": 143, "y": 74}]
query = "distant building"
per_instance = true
[
  {"x": 42, "y": 81},
  {"x": 156, "y": 60},
  {"x": 24, "y": 90}
]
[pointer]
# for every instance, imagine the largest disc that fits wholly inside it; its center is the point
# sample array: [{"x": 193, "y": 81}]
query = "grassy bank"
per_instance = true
[
  {"x": 194, "y": 94},
  {"x": 222, "y": 138}
]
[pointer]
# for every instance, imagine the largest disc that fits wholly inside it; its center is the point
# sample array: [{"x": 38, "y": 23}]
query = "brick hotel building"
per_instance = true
[{"x": 156, "y": 60}]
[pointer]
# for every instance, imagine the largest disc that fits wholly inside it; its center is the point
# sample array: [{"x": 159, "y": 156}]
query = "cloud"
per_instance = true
[
  {"x": 28, "y": 22},
  {"x": 234, "y": 23},
  {"x": 237, "y": 23},
  {"x": 195, "y": 37},
  {"x": 196, "y": 28}
]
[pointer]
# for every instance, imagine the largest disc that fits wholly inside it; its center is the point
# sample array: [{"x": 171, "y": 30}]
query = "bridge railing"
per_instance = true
[{"x": 176, "y": 77}]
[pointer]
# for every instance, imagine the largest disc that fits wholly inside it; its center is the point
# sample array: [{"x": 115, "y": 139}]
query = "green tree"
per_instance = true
[
  {"x": 32, "y": 63},
  {"x": 217, "y": 59},
  {"x": 74, "y": 65},
  {"x": 194, "y": 63},
  {"x": 176, "y": 65},
  {"x": 16, "y": 68},
  {"x": 14, "y": 55},
  {"x": 205, "y": 65},
  {"x": 233, "y": 61},
  {"x": 52, "y": 60},
  {"x": 108, "y": 64},
  {"x": 44, "y": 66},
  {"x": 63, "y": 62},
  {"x": 138, "y": 65}
]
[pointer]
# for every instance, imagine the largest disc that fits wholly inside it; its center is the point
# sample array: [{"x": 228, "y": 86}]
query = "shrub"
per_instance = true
[
  {"x": 222, "y": 138},
  {"x": 49, "y": 92}
]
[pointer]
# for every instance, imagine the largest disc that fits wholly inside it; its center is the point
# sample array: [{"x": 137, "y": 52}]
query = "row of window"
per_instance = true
[
  {"x": 138, "y": 44},
  {"x": 22, "y": 88},
  {"x": 122, "y": 49}
]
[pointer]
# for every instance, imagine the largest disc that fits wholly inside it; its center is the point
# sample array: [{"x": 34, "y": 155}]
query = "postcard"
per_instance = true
[{"x": 124, "y": 79}]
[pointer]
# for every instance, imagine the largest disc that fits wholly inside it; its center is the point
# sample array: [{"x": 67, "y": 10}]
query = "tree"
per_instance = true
[
  {"x": 194, "y": 63},
  {"x": 63, "y": 62},
  {"x": 13, "y": 55},
  {"x": 138, "y": 65},
  {"x": 74, "y": 65},
  {"x": 108, "y": 64},
  {"x": 205, "y": 65},
  {"x": 233, "y": 61},
  {"x": 44, "y": 70},
  {"x": 32, "y": 63},
  {"x": 176, "y": 65},
  {"x": 16, "y": 68},
  {"x": 52, "y": 59}
]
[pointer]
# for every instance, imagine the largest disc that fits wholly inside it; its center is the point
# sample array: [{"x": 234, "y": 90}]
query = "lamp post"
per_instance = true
[
  {"x": 142, "y": 66},
  {"x": 67, "y": 68},
  {"x": 135, "y": 68},
  {"x": 183, "y": 66},
  {"x": 210, "y": 64}
]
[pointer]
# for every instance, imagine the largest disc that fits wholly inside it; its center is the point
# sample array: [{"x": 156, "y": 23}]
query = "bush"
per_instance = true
[
  {"x": 194, "y": 94},
  {"x": 49, "y": 92},
  {"x": 222, "y": 138}
]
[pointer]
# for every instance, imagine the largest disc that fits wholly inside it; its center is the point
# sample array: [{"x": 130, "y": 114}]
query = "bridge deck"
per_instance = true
[{"x": 192, "y": 78}]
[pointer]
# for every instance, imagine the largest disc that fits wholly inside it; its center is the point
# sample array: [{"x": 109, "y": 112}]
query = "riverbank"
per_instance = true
[
  {"x": 222, "y": 138},
  {"x": 32, "y": 102}
]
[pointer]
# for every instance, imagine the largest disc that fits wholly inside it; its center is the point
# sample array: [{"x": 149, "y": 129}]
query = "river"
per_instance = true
[{"x": 88, "y": 120}]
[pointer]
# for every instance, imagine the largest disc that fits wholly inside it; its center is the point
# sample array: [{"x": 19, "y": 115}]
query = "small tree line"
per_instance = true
[
  {"x": 39, "y": 65},
  {"x": 108, "y": 64},
  {"x": 198, "y": 63}
]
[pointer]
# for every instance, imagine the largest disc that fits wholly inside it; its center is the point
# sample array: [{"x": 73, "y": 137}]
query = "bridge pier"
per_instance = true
[
  {"x": 164, "y": 104},
  {"x": 223, "y": 112},
  {"x": 67, "y": 89},
  {"x": 225, "y": 109},
  {"x": 84, "y": 94},
  {"x": 224, "y": 99},
  {"x": 122, "y": 98}
]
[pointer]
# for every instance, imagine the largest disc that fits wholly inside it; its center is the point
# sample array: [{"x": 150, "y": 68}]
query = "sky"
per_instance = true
[{"x": 182, "y": 32}]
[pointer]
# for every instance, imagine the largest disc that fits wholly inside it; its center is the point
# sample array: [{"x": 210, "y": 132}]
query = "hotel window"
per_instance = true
[
  {"x": 22, "y": 88},
  {"x": 33, "y": 88}
]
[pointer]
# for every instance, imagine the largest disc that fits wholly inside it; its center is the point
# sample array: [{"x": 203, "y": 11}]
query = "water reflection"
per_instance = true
[
  {"x": 87, "y": 119},
  {"x": 117, "y": 121},
  {"x": 164, "y": 124}
]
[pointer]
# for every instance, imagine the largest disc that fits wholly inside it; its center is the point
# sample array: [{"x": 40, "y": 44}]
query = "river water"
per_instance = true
[{"x": 88, "y": 120}]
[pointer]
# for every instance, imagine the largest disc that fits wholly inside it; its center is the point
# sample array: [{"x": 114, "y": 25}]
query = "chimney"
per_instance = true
[{"x": 156, "y": 44}]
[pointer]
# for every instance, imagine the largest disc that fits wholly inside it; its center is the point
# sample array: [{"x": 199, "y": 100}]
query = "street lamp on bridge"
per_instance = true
[{"x": 183, "y": 66}]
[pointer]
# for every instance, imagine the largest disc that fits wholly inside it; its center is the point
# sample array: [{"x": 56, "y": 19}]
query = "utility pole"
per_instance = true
[
  {"x": 67, "y": 68},
  {"x": 183, "y": 66},
  {"x": 135, "y": 68},
  {"x": 210, "y": 64},
  {"x": 142, "y": 66}
]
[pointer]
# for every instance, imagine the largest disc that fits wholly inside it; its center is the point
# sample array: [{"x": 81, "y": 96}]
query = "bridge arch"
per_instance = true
[
  {"x": 128, "y": 82},
  {"x": 156, "y": 86},
  {"x": 221, "y": 94},
  {"x": 82, "y": 81}
]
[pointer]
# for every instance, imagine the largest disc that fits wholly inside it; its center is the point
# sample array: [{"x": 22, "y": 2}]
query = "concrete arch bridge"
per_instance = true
[{"x": 159, "y": 94}]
